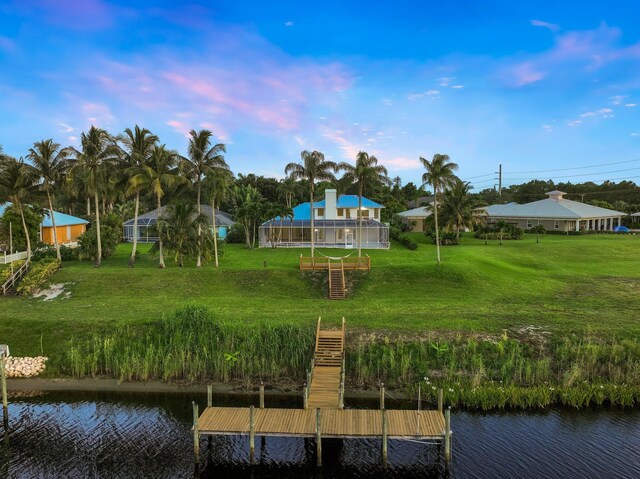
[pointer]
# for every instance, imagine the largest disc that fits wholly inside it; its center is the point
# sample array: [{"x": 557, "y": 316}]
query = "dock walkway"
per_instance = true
[{"x": 323, "y": 415}]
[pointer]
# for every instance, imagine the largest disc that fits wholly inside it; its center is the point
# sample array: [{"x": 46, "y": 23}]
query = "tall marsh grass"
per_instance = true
[{"x": 195, "y": 345}]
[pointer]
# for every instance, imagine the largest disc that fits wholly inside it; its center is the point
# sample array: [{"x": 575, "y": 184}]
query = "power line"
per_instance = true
[
  {"x": 574, "y": 176},
  {"x": 480, "y": 176},
  {"x": 577, "y": 167}
]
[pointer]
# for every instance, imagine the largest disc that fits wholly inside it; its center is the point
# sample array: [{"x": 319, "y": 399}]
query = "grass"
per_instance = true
[{"x": 563, "y": 285}]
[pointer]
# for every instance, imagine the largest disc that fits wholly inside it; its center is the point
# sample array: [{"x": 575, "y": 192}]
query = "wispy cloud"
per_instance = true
[
  {"x": 630, "y": 105},
  {"x": 288, "y": 24},
  {"x": 551, "y": 26}
]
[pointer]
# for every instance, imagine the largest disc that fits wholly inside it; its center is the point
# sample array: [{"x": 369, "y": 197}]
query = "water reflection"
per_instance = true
[{"x": 148, "y": 435}]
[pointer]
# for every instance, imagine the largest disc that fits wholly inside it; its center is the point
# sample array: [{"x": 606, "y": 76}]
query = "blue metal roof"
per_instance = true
[
  {"x": 61, "y": 218},
  {"x": 350, "y": 201}
]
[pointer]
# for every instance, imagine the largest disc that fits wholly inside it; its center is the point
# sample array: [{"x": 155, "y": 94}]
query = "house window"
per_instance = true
[
  {"x": 68, "y": 233},
  {"x": 320, "y": 211},
  {"x": 348, "y": 213},
  {"x": 340, "y": 211},
  {"x": 376, "y": 213},
  {"x": 364, "y": 214},
  {"x": 556, "y": 225},
  {"x": 529, "y": 224},
  {"x": 339, "y": 234}
]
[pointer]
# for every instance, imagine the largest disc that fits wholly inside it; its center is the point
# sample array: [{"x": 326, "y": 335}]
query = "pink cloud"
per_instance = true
[
  {"x": 585, "y": 50},
  {"x": 401, "y": 163}
]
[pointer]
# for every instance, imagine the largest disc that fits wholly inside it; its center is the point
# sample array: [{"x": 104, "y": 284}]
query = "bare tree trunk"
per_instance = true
[
  {"x": 55, "y": 230},
  {"x": 360, "y": 220},
  {"x": 199, "y": 260},
  {"x": 132, "y": 260},
  {"x": 26, "y": 230},
  {"x": 435, "y": 217},
  {"x": 98, "y": 238},
  {"x": 215, "y": 235},
  {"x": 313, "y": 233},
  {"x": 160, "y": 236}
]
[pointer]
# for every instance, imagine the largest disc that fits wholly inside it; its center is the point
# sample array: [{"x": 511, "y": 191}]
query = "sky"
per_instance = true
[{"x": 534, "y": 86}]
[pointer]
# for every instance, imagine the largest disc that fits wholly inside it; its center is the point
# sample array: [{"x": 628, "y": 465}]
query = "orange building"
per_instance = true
[{"x": 68, "y": 228}]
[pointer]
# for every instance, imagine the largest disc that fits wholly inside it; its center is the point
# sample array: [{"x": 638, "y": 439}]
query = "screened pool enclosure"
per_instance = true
[
  {"x": 147, "y": 232},
  {"x": 328, "y": 234}
]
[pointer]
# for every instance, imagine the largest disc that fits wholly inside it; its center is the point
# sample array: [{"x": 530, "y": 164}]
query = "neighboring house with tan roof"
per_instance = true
[
  {"x": 416, "y": 217},
  {"x": 555, "y": 213}
]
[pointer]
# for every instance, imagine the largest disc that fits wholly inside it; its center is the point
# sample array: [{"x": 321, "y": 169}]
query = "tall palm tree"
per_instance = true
[
  {"x": 312, "y": 168},
  {"x": 217, "y": 184},
  {"x": 51, "y": 164},
  {"x": 138, "y": 146},
  {"x": 203, "y": 157},
  {"x": 288, "y": 188},
  {"x": 458, "y": 207},
  {"x": 157, "y": 175},
  {"x": 99, "y": 151},
  {"x": 366, "y": 173},
  {"x": 18, "y": 184},
  {"x": 179, "y": 230},
  {"x": 440, "y": 175}
]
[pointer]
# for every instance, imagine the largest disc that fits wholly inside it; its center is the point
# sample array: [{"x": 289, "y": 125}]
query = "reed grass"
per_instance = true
[{"x": 196, "y": 345}]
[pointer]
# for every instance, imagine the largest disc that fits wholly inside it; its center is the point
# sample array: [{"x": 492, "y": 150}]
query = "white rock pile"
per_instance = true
[{"x": 24, "y": 367}]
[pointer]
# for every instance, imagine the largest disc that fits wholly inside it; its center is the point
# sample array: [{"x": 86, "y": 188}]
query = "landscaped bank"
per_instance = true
[
  {"x": 479, "y": 372},
  {"x": 569, "y": 306}
]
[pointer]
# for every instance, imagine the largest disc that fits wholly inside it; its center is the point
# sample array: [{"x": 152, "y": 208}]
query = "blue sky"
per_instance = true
[{"x": 535, "y": 87}]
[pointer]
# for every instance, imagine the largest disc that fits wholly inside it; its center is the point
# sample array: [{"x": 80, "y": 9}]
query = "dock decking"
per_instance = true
[{"x": 323, "y": 415}]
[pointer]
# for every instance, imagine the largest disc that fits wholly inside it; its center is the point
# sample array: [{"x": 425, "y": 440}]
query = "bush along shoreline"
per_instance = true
[{"x": 486, "y": 373}]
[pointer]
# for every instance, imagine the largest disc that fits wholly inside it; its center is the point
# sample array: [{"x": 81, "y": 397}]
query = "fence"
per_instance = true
[{"x": 10, "y": 258}]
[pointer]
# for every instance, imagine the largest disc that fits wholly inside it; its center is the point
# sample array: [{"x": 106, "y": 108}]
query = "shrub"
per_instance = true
[
  {"x": 235, "y": 234},
  {"x": 111, "y": 232},
  {"x": 394, "y": 234},
  {"x": 447, "y": 238},
  {"x": 6, "y": 272},
  {"x": 49, "y": 251},
  {"x": 37, "y": 275},
  {"x": 492, "y": 232},
  {"x": 408, "y": 242}
]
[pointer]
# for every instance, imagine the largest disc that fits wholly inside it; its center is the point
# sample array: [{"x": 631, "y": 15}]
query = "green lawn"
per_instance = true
[{"x": 563, "y": 284}]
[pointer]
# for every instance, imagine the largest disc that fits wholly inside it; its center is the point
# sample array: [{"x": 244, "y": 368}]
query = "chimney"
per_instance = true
[
  {"x": 555, "y": 194},
  {"x": 330, "y": 204}
]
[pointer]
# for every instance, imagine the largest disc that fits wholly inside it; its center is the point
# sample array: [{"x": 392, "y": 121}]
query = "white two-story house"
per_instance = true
[{"x": 335, "y": 225}]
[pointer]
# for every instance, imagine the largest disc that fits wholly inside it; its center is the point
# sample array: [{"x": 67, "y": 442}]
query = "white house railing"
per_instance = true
[{"x": 10, "y": 258}]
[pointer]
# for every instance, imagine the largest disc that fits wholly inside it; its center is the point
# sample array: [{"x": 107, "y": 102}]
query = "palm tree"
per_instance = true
[
  {"x": 366, "y": 173},
  {"x": 99, "y": 151},
  {"x": 138, "y": 146},
  {"x": 217, "y": 185},
  {"x": 458, "y": 207},
  {"x": 157, "y": 175},
  {"x": 18, "y": 184},
  {"x": 312, "y": 168},
  {"x": 288, "y": 188},
  {"x": 51, "y": 164},
  {"x": 439, "y": 175},
  {"x": 179, "y": 229},
  {"x": 203, "y": 158},
  {"x": 248, "y": 203}
]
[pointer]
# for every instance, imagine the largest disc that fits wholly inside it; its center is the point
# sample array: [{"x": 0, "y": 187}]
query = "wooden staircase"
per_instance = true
[
  {"x": 11, "y": 283},
  {"x": 326, "y": 388},
  {"x": 337, "y": 286}
]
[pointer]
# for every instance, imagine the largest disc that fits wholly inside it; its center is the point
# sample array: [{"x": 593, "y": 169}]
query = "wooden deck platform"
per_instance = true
[
  {"x": 323, "y": 415},
  {"x": 334, "y": 423},
  {"x": 322, "y": 263}
]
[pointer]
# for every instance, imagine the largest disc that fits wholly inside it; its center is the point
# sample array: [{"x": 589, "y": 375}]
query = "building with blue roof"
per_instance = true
[
  {"x": 336, "y": 225},
  {"x": 68, "y": 228}
]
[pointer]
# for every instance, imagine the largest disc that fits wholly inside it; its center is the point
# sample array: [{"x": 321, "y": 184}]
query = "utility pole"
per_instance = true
[{"x": 499, "y": 179}]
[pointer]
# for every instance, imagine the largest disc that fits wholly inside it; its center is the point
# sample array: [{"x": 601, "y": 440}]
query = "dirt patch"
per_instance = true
[{"x": 54, "y": 291}]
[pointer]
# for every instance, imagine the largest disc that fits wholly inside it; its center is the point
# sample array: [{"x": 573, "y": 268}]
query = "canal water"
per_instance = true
[{"x": 130, "y": 435}]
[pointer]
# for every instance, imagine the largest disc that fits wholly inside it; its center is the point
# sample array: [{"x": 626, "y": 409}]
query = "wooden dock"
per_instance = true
[{"x": 323, "y": 415}]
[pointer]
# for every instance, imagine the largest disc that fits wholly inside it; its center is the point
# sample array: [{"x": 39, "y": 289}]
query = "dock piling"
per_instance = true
[
  {"x": 209, "y": 395},
  {"x": 447, "y": 435},
  {"x": 5, "y": 401},
  {"x": 384, "y": 438},
  {"x": 305, "y": 396},
  {"x": 196, "y": 436},
  {"x": 261, "y": 395},
  {"x": 440, "y": 399},
  {"x": 252, "y": 435},
  {"x": 381, "y": 395},
  {"x": 318, "y": 437}
]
